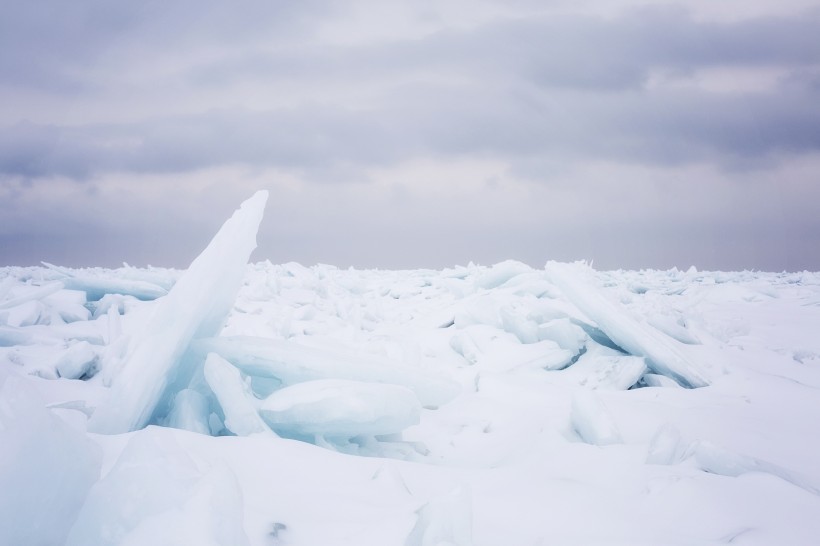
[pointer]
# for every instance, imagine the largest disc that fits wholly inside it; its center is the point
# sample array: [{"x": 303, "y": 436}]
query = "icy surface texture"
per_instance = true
[
  {"x": 444, "y": 520},
  {"x": 529, "y": 401},
  {"x": 156, "y": 494},
  {"x": 663, "y": 353},
  {"x": 46, "y": 468},
  {"x": 337, "y": 408},
  {"x": 196, "y": 307}
]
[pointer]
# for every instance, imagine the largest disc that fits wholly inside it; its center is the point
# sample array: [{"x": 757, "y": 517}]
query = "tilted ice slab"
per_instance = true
[
  {"x": 293, "y": 363},
  {"x": 662, "y": 353},
  {"x": 234, "y": 396},
  {"x": 339, "y": 408},
  {"x": 195, "y": 307}
]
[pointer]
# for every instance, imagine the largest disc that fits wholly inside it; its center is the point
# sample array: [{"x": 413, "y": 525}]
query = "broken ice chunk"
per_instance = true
[
  {"x": 293, "y": 363},
  {"x": 78, "y": 361},
  {"x": 25, "y": 314},
  {"x": 32, "y": 294},
  {"x": 663, "y": 353},
  {"x": 500, "y": 273},
  {"x": 562, "y": 331},
  {"x": 606, "y": 372},
  {"x": 655, "y": 380},
  {"x": 521, "y": 327},
  {"x": 189, "y": 411},
  {"x": 195, "y": 307},
  {"x": 234, "y": 396},
  {"x": 337, "y": 408},
  {"x": 591, "y": 419}
]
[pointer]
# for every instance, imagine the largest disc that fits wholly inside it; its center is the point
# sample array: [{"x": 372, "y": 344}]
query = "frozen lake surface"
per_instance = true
[{"x": 266, "y": 404}]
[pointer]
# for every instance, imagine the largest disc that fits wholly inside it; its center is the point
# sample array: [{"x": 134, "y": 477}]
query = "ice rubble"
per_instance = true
[
  {"x": 96, "y": 287},
  {"x": 662, "y": 354},
  {"x": 163, "y": 379},
  {"x": 542, "y": 422},
  {"x": 196, "y": 307}
]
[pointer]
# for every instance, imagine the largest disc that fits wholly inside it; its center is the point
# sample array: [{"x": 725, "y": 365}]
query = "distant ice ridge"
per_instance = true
[{"x": 195, "y": 307}]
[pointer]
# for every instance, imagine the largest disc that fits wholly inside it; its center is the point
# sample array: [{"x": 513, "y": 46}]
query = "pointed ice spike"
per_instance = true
[{"x": 195, "y": 307}]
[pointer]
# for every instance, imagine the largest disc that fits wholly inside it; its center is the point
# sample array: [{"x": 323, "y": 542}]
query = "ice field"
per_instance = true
[{"x": 239, "y": 403}]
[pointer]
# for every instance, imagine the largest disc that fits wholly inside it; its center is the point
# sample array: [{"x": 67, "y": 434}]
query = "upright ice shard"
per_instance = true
[
  {"x": 196, "y": 307},
  {"x": 663, "y": 354}
]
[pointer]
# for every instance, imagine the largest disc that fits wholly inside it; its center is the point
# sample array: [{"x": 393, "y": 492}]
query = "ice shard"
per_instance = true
[
  {"x": 234, "y": 396},
  {"x": 663, "y": 354},
  {"x": 196, "y": 307}
]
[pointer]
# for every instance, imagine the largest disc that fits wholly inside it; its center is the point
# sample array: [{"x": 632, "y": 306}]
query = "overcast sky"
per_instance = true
[{"x": 406, "y": 134}]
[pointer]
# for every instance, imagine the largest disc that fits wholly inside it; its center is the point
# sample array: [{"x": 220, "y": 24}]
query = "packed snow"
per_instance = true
[{"x": 261, "y": 404}]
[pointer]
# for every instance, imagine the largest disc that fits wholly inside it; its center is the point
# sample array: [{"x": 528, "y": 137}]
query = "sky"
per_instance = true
[{"x": 413, "y": 134}]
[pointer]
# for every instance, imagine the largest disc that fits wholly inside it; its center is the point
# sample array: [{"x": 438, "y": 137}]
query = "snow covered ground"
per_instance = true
[{"x": 266, "y": 404}]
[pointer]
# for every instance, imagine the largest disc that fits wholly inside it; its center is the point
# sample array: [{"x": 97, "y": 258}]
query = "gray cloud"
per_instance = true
[
  {"x": 664, "y": 128},
  {"x": 187, "y": 88},
  {"x": 53, "y": 45}
]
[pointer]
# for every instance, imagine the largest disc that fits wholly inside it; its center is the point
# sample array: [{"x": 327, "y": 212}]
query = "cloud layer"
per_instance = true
[{"x": 645, "y": 137}]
